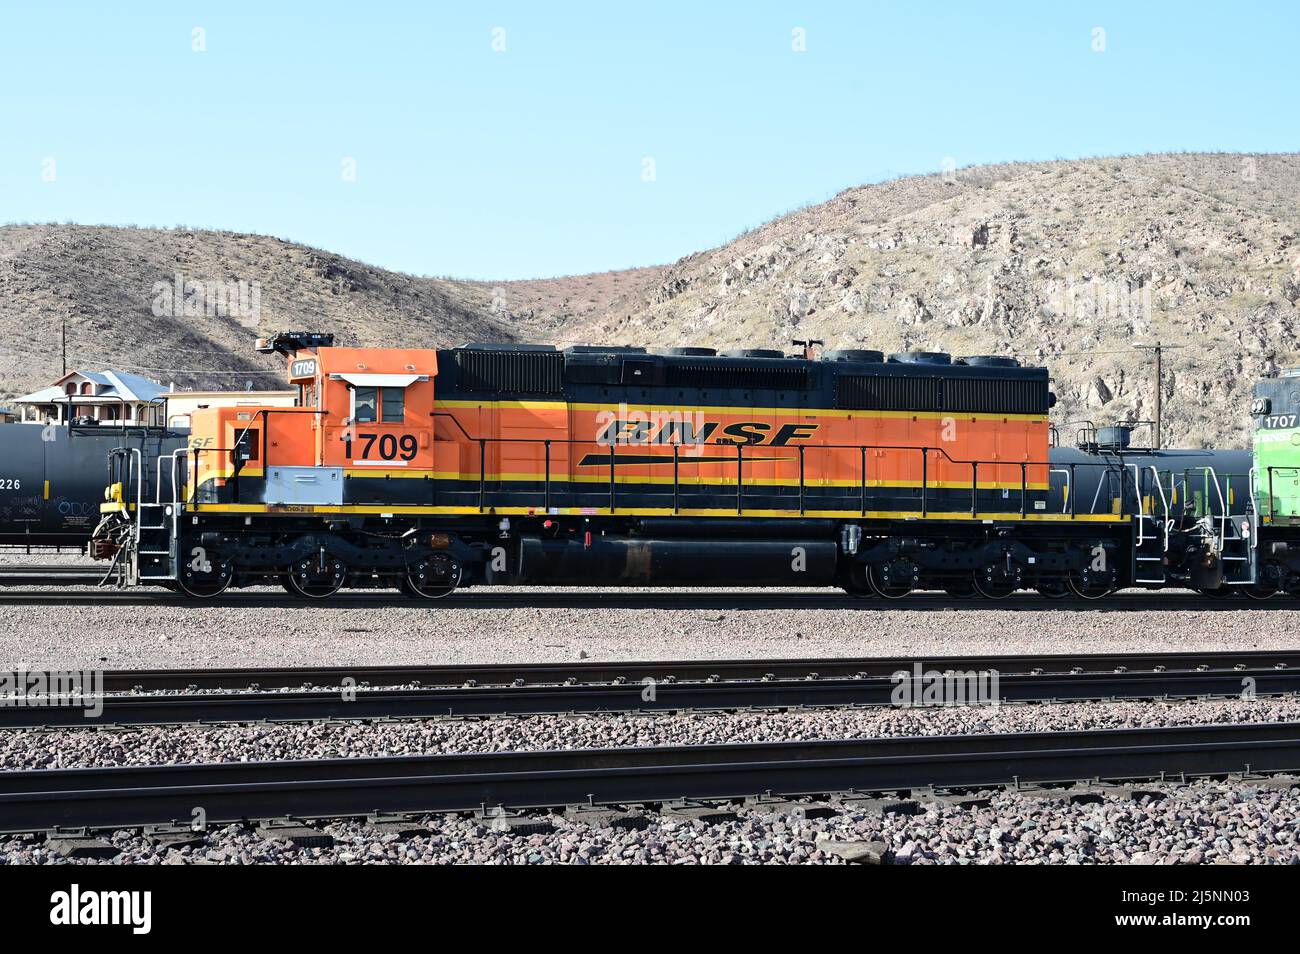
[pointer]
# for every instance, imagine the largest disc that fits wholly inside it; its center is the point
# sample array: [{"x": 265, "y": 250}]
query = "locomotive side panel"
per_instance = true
[
  {"x": 1276, "y": 411},
  {"x": 518, "y": 464}
]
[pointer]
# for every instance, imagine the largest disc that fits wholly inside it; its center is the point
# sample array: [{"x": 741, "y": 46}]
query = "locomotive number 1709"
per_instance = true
[{"x": 381, "y": 446}]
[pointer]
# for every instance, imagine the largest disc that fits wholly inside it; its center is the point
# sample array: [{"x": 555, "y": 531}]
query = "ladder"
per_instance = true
[
  {"x": 155, "y": 545},
  {"x": 1235, "y": 535},
  {"x": 157, "y": 523},
  {"x": 1151, "y": 529}
]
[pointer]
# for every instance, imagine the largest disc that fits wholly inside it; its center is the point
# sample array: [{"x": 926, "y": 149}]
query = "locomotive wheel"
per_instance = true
[
  {"x": 315, "y": 579},
  {"x": 1259, "y": 592},
  {"x": 203, "y": 586},
  {"x": 424, "y": 581},
  {"x": 1053, "y": 591},
  {"x": 894, "y": 592},
  {"x": 996, "y": 589},
  {"x": 857, "y": 584},
  {"x": 960, "y": 590}
]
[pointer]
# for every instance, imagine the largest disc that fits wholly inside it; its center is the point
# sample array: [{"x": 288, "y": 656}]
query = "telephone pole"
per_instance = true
[
  {"x": 65, "y": 345},
  {"x": 1158, "y": 348}
]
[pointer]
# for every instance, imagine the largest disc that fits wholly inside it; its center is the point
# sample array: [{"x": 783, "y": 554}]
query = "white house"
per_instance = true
[
  {"x": 181, "y": 404},
  {"x": 105, "y": 396}
]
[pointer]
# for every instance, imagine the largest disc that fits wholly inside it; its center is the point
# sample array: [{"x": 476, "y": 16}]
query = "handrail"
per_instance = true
[
  {"x": 741, "y": 492},
  {"x": 1068, "y": 496},
  {"x": 67, "y": 401},
  {"x": 1164, "y": 503},
  {"x": 1252, "y": 478},
  {"x": 159, "y": 475}
]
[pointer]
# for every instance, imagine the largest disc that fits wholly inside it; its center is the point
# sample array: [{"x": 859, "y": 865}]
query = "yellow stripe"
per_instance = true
[
  {"x": 658, "y": 512},
  {"x": 722, "y": 481},
  {"x": 664, "y": 480},
  {"x": 748, "y": 412}
]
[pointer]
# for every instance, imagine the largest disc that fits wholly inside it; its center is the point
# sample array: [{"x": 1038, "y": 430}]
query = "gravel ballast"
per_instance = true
[
  {"x": 155, "y": 745},
  {"x": 1237, "y": 821},
  {"x": 148, "y": 635},
  {"x": 1204, "y": 822}
]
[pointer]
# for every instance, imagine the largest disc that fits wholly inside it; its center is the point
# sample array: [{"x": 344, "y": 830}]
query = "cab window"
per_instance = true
[
  {"x": 364, "y": 402},
  {"x": 393, "y": 405}
]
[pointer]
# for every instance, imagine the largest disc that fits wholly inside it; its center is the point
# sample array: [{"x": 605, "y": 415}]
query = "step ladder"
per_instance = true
[
  {"x": 151, "y": 545},
  {"x": 1236, "y": 536},
  {"x": 155, "y": 541},
  {"x": 1151, "y": 530}
]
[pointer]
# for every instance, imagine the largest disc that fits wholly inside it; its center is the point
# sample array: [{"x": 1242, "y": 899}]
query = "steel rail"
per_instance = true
[
  {"x": 664, "y": 671},
  {"x": 648, "y": 697},
  {"x": 129, "y": 797},
  {"x": 58, "y": 574},
  {"x": 736, "y": 599}
]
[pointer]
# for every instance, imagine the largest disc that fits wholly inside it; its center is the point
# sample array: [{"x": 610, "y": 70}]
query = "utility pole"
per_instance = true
[
  {"x": 65, "y": 346},
  {"x": 1158, "y": 348}
]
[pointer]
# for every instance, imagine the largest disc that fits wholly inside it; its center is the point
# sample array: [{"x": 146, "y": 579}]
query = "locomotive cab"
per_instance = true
[{"x": 362, "y": 413}]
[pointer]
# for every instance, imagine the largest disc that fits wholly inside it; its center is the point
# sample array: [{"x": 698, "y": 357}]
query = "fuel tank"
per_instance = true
[{"x": 634, "y": 561}]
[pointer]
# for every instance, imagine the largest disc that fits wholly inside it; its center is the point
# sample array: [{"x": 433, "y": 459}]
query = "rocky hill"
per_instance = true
[
  {"x": 186, "y": 306},
  {"x": 1070, "y": 264}
]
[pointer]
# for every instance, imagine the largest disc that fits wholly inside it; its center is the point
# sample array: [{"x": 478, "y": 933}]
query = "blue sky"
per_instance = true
[{"x": 530, "y": 161}]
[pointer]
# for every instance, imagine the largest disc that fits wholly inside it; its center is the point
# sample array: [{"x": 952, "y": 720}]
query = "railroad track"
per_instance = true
[
  {"x": 132, "y": 797},
  {"x": 60, "y": 574},
  {"x": 559, "y": 673},
  {"x": 479, "y": 691},
  {"x": 486, "y": 599}
]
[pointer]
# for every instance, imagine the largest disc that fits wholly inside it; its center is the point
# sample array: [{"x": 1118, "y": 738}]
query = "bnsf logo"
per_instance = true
[{"x": 685, "y": 432}]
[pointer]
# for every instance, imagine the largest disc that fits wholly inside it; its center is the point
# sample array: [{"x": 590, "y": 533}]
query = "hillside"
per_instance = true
[
  {"x": 1064, "y": 263},
  {"x": 116, "y": 289}
]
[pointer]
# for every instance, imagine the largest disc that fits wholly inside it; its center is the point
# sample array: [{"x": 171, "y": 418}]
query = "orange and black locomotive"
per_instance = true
[{"x": 426, "y": 470}]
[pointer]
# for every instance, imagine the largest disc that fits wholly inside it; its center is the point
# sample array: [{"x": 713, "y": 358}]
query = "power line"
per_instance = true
[
  {"x": 137, "y": 367},
  {"x": 1072, "y": 354}
]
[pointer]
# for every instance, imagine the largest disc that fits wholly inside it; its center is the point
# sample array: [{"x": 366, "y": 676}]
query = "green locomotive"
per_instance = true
[
  {"x": 1276, "y": 410},
  {"x": 1276, "y": 478}
]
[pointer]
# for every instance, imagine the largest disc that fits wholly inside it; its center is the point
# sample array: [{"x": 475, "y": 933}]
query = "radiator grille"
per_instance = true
[
  {"x": 995, "y": 396},
  {"x": 961, "y": 395},
  {"x": 511, "y": 372},
  {"x": 720, "y": 375},
  {"x": 869, "y": 392}
]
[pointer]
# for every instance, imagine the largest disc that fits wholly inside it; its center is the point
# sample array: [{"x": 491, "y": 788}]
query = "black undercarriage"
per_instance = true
[{"x": 431, "y": 556}]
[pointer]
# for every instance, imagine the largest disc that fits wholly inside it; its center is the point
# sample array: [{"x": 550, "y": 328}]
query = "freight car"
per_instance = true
[
  {"x": 1192, "y": 500},
  {"x": 428, "y": 470},
  {"x": 52, "y": 478}
]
